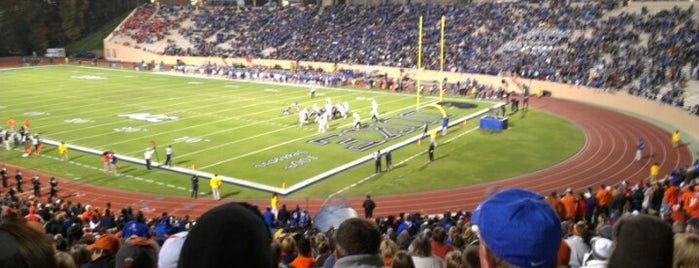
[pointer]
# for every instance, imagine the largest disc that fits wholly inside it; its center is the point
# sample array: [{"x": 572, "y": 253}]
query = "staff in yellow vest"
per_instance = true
[
  {"x": 63, "y": 151},
  {"x": 215, "y": 184},
  {"x": 676, "y": 139}
]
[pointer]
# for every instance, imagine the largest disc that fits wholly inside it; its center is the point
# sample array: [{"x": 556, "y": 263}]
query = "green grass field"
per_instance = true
[{"x": 237, "y": 129}]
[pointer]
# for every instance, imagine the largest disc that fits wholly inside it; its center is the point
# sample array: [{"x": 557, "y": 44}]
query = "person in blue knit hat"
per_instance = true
[{"x": 517, "y": 228}]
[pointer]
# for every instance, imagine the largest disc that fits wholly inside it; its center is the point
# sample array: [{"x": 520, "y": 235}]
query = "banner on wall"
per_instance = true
[{"x": 55, "y": 52}]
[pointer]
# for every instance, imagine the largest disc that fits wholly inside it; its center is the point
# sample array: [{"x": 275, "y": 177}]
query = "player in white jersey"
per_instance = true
[
  {"x": 322, "y": 123},
  {"x": 303, "y": 116},
  {"x": 346, "y": 106},
  {"x": 357, "y": 120},
  {"x": 374, "y": 110}
]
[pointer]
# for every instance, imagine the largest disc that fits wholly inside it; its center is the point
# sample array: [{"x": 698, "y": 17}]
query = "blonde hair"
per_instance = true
[
  {"x": 65, "y": 260},
  {"x": 288, "y": 244},
  {"x": 453, "y": 259},
  {"x": 686, "y": 251},
  {"x": 388, "y": 248},
  {"x": 402, "y": 259}
]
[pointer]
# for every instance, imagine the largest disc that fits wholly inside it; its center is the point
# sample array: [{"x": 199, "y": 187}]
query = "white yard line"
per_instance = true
[
  {"x": 365, "y": 179},
  {"x": 266, "y": 148}
]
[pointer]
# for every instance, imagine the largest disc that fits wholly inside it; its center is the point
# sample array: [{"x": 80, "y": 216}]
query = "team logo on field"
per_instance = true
[
  {"x": 36, "y": 113},
  {"x": 88, "y": 77},
  {"x": 188, "y": 139},
  {"x": 79, "y": 121},
  {"x": 300, "y": 162},
  {"x": 298, "y": 158},
  {"x": 130, "y": 129},
  {"x": 153, "y": 118}
]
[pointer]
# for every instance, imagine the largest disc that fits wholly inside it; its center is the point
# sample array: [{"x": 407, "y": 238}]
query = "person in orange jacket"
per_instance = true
[
  {"x": 569, "y": 205},
  {"x": 604, "y": 198},
  {"x": 556, "y": 204}
]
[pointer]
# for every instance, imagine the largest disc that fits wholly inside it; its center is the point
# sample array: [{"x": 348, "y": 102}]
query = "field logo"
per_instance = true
[
  {"x": 305, "y": 158},
  {"x": 3, "y": 107},
  {"x": 130, "y": 129},
  {"x": 300, "y": 162},
  {"x": 79, "y": 121},
  {"x": 36, "y": 113},
  {"x": 153, "y": 118},
  {"x": 88, "y": 77},
  {"x": 188, "y": 139},
  {"x": 375, "y": 134}
]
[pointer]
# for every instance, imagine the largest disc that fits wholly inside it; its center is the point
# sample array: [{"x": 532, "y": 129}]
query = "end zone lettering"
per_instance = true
[{"x": 389, "y": 129}]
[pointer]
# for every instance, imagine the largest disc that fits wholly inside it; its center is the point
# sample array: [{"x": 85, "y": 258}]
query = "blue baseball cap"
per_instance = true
[{"x": 520, "y": 227}]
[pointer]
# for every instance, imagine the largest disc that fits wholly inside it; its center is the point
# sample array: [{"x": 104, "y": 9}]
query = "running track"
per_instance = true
[{"x": 607, "y": 157}]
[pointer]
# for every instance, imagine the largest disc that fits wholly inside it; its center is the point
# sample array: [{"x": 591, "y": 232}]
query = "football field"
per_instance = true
[
  {"x": 237, "y": 129},
  {"x": 229, "y": 127}
]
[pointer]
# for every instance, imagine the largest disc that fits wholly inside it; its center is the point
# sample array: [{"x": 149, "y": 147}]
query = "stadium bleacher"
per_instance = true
[
  {"x": 592, "y": 45},
  {"x": 600, "y": 47}
]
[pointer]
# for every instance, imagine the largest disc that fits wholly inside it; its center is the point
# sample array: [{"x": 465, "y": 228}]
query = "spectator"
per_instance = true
[
  {"x": 80, "y": 254},
  {"x": 642, "y": 233},
  {"x": 388, "y": 249},
  {"x": 283, "y": 216},
  {"x": 422, "y": 253},
  {"x": 569, "y": 205},
  {"x": 686, "y": 251},
  {"x": 577, "y": 244},
  {"x": 470, "y": 258},
  {"x": 304, "y": 258},
  {"x": 402, "y": 259},
  {"x": 358, "y": 242},
  {"x": 164, "y": 228},
  {"x": 64, "y": 260},
  {"x": 403, "y": 240},
  {"x": 137, "y": 252},
  {"x": 230, "y": 235},
  {"x": 603, "y": 198},
  {"x": 453, "y": 259},
  {"x": 103, "y": 251},
  {"x": 323, "y": 252},
  {"x": 597, "y": 257},
  {"x": 439, "y": 248},
  {"x": 136, "y": 227},
  {"x": 332, "y": 257},
  {"x": 288, "y": 247},
  {"x": 517, "y": 227},
  {"x": 22, "y": 244},
  {"x": 268, "y": 216},
  {"x": 169, "y": 253},
  {"x": 555, "y": 201}
]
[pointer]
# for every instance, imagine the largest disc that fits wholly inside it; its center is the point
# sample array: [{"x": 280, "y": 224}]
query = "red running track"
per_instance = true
[{"x": 606, "y": 157}]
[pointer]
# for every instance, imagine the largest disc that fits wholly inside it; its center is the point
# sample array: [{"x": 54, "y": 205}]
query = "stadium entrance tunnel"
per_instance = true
[{"x": 455, "y": 104}]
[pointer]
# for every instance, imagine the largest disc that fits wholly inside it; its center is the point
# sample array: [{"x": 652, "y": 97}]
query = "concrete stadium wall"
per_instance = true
[{"x": 666, "y": 116}]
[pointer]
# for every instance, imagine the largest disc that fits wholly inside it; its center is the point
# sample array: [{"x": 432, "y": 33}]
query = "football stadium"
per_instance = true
[{"x": 441, "y": 126}]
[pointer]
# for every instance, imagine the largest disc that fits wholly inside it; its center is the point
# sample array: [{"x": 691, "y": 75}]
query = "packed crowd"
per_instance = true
[
  {"x": 600, "y": 227},
  {"x": 626, "y": 52}
]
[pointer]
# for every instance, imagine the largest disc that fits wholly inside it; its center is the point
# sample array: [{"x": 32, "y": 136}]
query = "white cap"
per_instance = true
[{"x": 602, "y": 248}]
